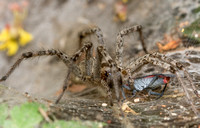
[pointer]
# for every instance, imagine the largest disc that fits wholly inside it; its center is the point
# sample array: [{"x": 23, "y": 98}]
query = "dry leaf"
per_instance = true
[
  {"x": 127, "y": 109},
  {"x": 169, "y": 46}
]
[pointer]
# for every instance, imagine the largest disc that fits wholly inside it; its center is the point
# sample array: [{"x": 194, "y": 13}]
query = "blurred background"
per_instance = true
[{"x": 54, "y": 24}]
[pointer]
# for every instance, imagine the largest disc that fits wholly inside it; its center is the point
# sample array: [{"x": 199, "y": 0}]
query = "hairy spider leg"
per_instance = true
[
  {"x": 28, "y": 55},
  {"x": 155, "y": 60},
  {"x": 65, "y": 84},
  {"x": 88, "y": 62},
  {"x": 67, "y": 60},
  {"x": 105, "y": 85},
  {"x": 120, "y": 42},
  {"x": 179, "y": 66},
  {"x": 97, "y": 31},
  {"x": 115, "y": 73},
  {"x": 75, "y": 69}
]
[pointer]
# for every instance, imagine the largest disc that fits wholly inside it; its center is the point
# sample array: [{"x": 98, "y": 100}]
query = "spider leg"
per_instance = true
[
  {"x": 97, "y": 31},
  {"x": 108, "y": 91},
  {"x": 65, "y": 85},
  {"x": 72, "y": 68},
  {"x": 179, "y": 66},
  {"x": 88, "y": 62},
  {"x": 120, "y": 42},
  {"x": 115, "y": 76},
  {"x": 75, "y": 69},
  {"x": 151, "y": 58},
  {"x": 59, "y": 54},
  {"x": 27, "y": 55}
]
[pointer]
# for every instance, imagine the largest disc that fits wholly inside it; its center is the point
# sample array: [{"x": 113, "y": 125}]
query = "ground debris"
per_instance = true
[{"x": 127, "y": 109}]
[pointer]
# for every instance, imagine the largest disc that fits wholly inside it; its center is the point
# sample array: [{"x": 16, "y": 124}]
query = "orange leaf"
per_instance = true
[{"x": 169, "y": 46}]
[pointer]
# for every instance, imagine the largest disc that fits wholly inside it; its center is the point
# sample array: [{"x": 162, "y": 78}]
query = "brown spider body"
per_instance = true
[{"x": 106, "y": 72}]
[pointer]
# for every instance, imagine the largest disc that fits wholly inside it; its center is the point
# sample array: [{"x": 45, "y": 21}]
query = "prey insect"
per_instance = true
[
  {"x": 149, "y": 83},
  {"x": 99, "y": 66}
]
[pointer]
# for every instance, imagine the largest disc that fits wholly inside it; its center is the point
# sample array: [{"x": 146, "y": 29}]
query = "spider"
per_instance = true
[{"x": 106, "y": 72}]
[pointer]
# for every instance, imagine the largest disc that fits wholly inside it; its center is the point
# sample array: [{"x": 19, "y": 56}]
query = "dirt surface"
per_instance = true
[{"x": 56, "y": 24}]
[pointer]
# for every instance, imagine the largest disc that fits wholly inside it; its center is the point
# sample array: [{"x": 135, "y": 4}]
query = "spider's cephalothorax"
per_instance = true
[{"x": 106, "y": 71}]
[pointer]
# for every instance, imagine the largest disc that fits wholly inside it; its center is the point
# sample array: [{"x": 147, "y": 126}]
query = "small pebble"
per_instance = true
[
  {"x": 136, "y": 100},
  {"x": 104, "y": 104},
  {"x": 174, "y": 114},
  {"x": 166, "y": 118}
]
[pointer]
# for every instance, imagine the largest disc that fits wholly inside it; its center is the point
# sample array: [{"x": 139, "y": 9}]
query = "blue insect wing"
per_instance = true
[
  {"x": 143, "y": 83},
  {"x": 157, "y": 83}
]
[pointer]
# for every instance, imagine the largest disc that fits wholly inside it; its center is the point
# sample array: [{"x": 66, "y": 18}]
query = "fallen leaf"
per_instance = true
[
  {"x": 168, "y": 43},
  {"x": 127, "y": 109},
  {"x": 169, "y": 46}
]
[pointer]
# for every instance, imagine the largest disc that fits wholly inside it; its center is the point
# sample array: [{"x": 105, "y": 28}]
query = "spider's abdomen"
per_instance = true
[{"x": 143, "y": 83}]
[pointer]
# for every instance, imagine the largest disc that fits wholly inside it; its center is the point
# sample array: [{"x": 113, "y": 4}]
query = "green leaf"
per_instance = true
[
  {"x": 9, "y": 124},
  {"x": 192, "y": 29},
  {"x": 196, "y": 10},
  {"x": 73, "y": 124},
  {"x": 64, "y": 124},
  {"x": 3, "y": 113},
  {"x": 26, "y": 115}
]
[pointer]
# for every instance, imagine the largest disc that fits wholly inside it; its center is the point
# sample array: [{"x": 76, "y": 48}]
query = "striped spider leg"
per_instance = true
[
  {"x": 68, "y": 61},
  {"x": 120, "y": 42}
]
